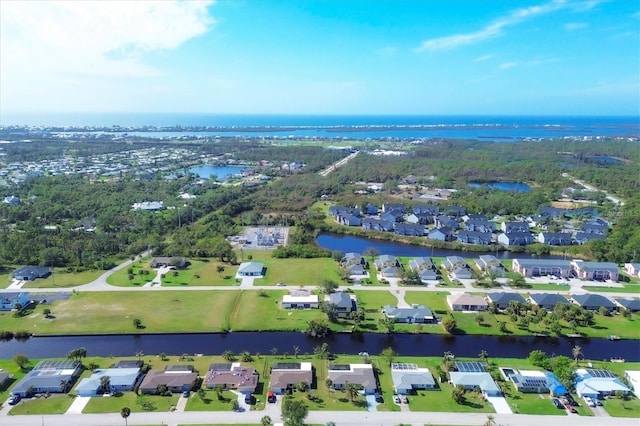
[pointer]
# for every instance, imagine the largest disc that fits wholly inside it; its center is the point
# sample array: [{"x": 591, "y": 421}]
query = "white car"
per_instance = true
[
  {"x": 589, "y": 401},
  {"x": 396, "y": 399}
]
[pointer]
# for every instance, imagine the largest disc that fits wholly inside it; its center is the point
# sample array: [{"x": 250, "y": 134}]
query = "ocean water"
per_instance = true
[{"x": 500, "y": 128}]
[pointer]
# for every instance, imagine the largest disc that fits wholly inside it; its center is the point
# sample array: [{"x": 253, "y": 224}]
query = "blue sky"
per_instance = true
[{"x": 572, "y": 57}]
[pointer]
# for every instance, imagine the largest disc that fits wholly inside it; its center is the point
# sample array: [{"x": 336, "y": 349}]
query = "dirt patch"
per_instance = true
[{"x": 569, "y": 205}]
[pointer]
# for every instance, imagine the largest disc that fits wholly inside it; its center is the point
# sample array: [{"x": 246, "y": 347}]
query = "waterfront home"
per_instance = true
[
  {"x": 451, "y": 263},
  {"x": 583, "y": 237},
  {"x": 31, "y": 273},
  {"x": 386, "y": 260},
  {"x": 371, "y": 209},
  {"x": 461, "y": 274},
  {"x": 177, "y": 379},
  {"x": 408, "y": 378},
  {"x": 593, "y": 302},
  {"x": 416, "y": 314},
  {"x": 286, "y": 376},
  {"x": 475, "y": 237},
  {"x": 466, "y": 303},
  {"x": 472, "y": 380},
  {"x": 502, "y": 300},
  {"x": 516, "y": 238},
  {"x": 251, "y": 269},
  {"x": 531, "y": 381},
  {"x": 547, "y": 301},
  {"x": 595, "y": 271},
  {"x": 424, "y": 267},
  {"x": 480, "y": 225},
  {"x": 232, "y": 376},
  {"x": 8, "y": 301},
  {"x": 445, "y": 221},
  {"x": 165, "y": 262},
  {"x": 632, "y": 305},
  {"x": 409, "y": 229},
  {"x": 487, "y": 262},
  {"x": 354, "y": 263},
  {"x": 120, "y": 380},
  {"x": 348, "y": 220},
  {"x": 336, "y": 211},
  {"x": 597, "y": 383},
  {"x": 371, "y": 224},
  {"x": 345, "y": 303},
  {"x": 53, "y": 376},
  {"x": 300, "y": 300},
  {"x": 632, "y": 269},
  {"x": 554, "y": 238},
  {"x": 542, "y": 267},
  {"x": 361, "y": 375},
  {"x": 441, "y": 234}
]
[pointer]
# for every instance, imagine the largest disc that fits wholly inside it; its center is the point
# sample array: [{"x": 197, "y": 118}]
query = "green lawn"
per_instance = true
[
  {"x": 531, "y": 403},
  {"x": 437, "y": 301},
  {"x": 295, "y": 272},
  {"x": 113, "y": 312},
  {"x": 54, "y": 404},
  {"x": 113, "y": 404},
  {"x": 201, "y": 272},
  {"x": 210, "y": 401},
  {"x": 62, "y": 279},
  {"x": 619, "y": 408},
  {"x": 628, "y": 288}
]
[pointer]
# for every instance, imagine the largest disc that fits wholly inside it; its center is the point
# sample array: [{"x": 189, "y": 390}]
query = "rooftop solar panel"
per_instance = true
[
  {"x": 600, "y": 373},
  {"x": 286, "y": 366},
  {"x": 470, "y": 366},
  {"x": 403, "y": 366}
]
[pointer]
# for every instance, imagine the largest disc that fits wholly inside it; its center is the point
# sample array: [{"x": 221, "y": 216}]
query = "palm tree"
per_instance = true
[
  {"x": 352, "y": 390},
  {"x": 266, "y": 421},
  {"x": 125, "y": 413},
  {"x": 491, "y": 421},
  {"x": 296, "y": 350},
  {"x": 576, "y": 351},
  {"x": 483, "y": 355},
  {"x": 105, "y": 383},
  {"x": 228, "y": 355},
  {"x": 218, "y": 390}
]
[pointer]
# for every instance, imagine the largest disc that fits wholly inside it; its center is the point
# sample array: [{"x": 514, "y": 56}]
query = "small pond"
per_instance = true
[{"x": 503, "y": 186}]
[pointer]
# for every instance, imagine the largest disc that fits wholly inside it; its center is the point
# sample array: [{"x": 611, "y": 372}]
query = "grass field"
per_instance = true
[
  {"x": 62, "y": 279},
  {"x": 54, "y": 404},
  {"x": 628, "y": 288},
  {"x": 296, "y": 272},
  {"x": 210, "y": 401},
  {"x": 113, "y": 404},
  {"x": 619, "y": 408}
]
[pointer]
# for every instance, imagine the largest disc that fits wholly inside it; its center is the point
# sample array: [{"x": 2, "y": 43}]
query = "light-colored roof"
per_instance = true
[
  {"x": 482, "y": 380},
  {"x": 544, "y": 263},
  {"x": 117, "y": 377},
  {"x": 280, "y": 378},
  {"x": 250, "y": 267},
  {"x": 359, "y": 374},
  {"x": 466, "y": 299},
  {"x": 312, "y": 298},
  {"x": 405, "y": 378}
]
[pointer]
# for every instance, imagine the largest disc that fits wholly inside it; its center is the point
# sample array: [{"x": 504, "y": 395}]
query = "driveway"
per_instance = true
[
  {"x": 500, "y": 404},
  {"x": 372, "y": 404},
  {"x": 78, "y": 404}
]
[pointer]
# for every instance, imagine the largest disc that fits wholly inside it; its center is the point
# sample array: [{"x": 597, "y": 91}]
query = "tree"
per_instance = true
[
  {"x": 371, "y": 252},
  {"x": 137, "y": 322},
  {"x": 479, "y": 319},
  {"x": 318, "y": 329},
  {"x": 358, "y": 316},
  {"x": 46, "y": 312},
  {"x": 352, "y": 391},
  {"x": 245, "y": 356},
  {"x": 515, "y": 279},
  {"x": 201, "y": 394},
  {"x": 576, "y": 352},
  {"x": 294, "y": 412},
  {"x": 388, "y": 323},
  {"x": 329, "y": 383},
  {"x": 491, "y": 421},
  {"x": 322, "y": 351},
  {"x": 266, "y": 421},
  {"x": 77, "y": 354},
  {"x": 389, "y": 354},
  {"x": 302, "y": 386},
  {"x": 457, "y": 394},
  {"x": 483, "y": 355},
  {"x": 296, "y": 351},
  {"x": 502, "y": 326},
  {"x": 218, "y": 390},
  {"x": 330, "y": 310},
  {"x": 539, "y": 358},
  {"x": 21, "y": 360},
  {"x": 105, "y": 384},
  {"x": 163, "y": 356},
  {"x": 220, "y": 270},
  {"x": 449, "y": 323},
  {"x": 125, "y": 412},
  {"x": 328, "y": 286},
  {"x": 235, "y": 406},
  {"x": 228, "y": 355}
]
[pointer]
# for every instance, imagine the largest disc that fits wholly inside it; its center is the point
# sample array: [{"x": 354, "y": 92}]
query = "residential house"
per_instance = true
[
  {"x": 595, "y": 271},
  {"x": 542, "y": 267},
  {"x": 251, "y": 269},
  {"x": 87, "y": 224},
  {"x": 547, "y": 301},
  {"x": 416, "y": 314},
  {"x": 164, "y": 262},
  {"x": 585, "y": 237},
  {"x": 300, "y": 300},
  {"x": 597, "y": 384},
  {"x": 473, "y": 216},
  {"x": 354, "y": 263},
  {"x": 633, "y": 378},
  {"x": 424, "y": 267},
  {"x": 487, "y": 262},
  {"x": 286, "y": 376},
  {"x": 388, "y": 266},
  {"x": 5, "y": 380},
  {"x": 502, "y": 300},
  {"x": 537, "y": 382},
  {"x": 455, "y": 211},
  {"x": 348, "y": 220},
  {"x": 176, "y": 380},
  {"x": 472, "y": 380},
  {"x": 412, "y": 218},
  {"x": 632, "y": 269},
  {"x": 461, "y": 274},
  {"x": 595, "y": 228},
  {"x": 361, "y": 375},
  {"x": 451, "y": 263},
  {"x": 345, "y": 303},
  {"x": 148, "y": 206},
  {"x": 8, "y": 301},
  {"x": 554, "y": 238},
  {"x": 120, "y": 380},
  {"x": 409, "y": 229},
  {"x": 593, "y": 302},
  {"x": 235, "y": 376},
  {"x": 443, "y": 220},
  {"x": 388, "y": 207},
  {"x": 11, "y": 200},
  {"x": 516, "y": 238},
  {"x": 480, "y": 225},
  {"x": 53, "y": 376},
  {"x": 466, "y": 302},
  {"x": 31, "y": 273},
  {"x": 370, "y": 224},
  {"x": 392, "y": 216},
  {"x": 474, "y": 237},
  {"x": 441, "y": 234},
  {"x": 426, "y": 209},
  {"x": 517, "y": 226},
  {"x": 408, "y": 378},
  {"x": 552, "y": 212},
  {"x": 633, "y": 305},
  {"x": 370, "y": 209}
]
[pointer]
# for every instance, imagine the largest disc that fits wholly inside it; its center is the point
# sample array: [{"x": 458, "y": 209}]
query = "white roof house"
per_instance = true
[
  {"x": 598, "y": 383},
  {"x": 472, "y": 380},
  {"x": 633, "y": 377},
  {"x": 308, "y": 301},
  {"x": 120, "y": 379}
]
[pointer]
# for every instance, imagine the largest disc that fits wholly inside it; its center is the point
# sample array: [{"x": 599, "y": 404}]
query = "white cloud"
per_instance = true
[
  {"x": 494, "y": 29},
  {"x": 506, "y": 65},
  {"x": 43, "y": 43},
  {"x": 571, "y": 26},
  {"x": 483, "y": 58}
]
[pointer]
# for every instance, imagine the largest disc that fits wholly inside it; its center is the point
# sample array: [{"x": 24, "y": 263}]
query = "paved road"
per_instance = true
[
  {"x": 609, "y": 197},
  {"x": 341, "y": 418},
  {"x": 338, "y": 164}
]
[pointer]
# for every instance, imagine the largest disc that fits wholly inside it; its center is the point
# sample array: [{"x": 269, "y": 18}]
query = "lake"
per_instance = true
[
  {"x": 350, "y": 243},
  {"x": 347, "y": 343},
  {"x": 503, "y": 186},
  {"x": 220, "y": 172}
]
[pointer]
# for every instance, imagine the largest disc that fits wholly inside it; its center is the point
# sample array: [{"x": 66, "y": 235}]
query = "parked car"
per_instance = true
[
  {"x": 404, "y": 399},
  {"x": 14, "y": 399},
  {"x": 396, "y": 399},
  {"x": 248, "y": 399},
  {"x": 378, "y": 397},
  {"x": 557, "y": 403},
  {"x": 280, "y": 285},
  {"x": 271, "y": 397},
  {"x": 589, "y": 401},
  {"x": 570, "y": 408}
]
